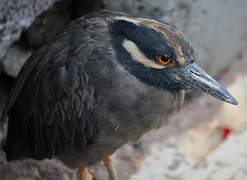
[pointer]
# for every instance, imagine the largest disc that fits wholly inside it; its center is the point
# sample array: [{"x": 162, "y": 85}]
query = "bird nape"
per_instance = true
[{"x": 104, "y": 82}]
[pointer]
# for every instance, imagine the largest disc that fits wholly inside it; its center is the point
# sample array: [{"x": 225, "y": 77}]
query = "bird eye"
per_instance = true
[{"x": 163, "y": 59}]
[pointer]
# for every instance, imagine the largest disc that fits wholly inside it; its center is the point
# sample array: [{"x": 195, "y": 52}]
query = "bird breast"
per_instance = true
[{"x": 132, "y": 107}]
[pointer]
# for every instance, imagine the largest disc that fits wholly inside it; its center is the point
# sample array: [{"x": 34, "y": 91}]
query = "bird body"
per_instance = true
[
  {"x": 97, "y": 87},
  {"x": 78, "y": 104}
]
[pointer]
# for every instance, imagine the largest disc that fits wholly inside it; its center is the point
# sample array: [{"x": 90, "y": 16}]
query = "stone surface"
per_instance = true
[
  {"x": 217, "y": 28},
  {"x": 48, "y": 25},
  {"x": 226, "y": 162},
  {"x": 40, "y": 27},
  {"x": 16, "y": 15},
  {"x": 14, "y": 60},
  {"x": 34, "y": 170}
]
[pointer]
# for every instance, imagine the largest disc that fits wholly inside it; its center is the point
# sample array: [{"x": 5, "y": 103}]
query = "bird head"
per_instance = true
[{"x": 159, "y": 54}]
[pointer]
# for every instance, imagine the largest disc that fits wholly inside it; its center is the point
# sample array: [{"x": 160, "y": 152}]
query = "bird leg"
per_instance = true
[
  {"x": 83, "y": 174},
  {"x": 110, "y": 169}
]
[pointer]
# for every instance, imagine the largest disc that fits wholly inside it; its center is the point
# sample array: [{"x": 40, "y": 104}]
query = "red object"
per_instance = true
[{"x": 225, "y": 131}]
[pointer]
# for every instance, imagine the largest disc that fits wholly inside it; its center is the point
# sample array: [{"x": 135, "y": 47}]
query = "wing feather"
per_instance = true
[{"x": 50, "y": 110}]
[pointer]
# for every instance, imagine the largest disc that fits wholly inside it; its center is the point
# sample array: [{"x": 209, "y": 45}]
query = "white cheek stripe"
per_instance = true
[{"x": 137, "y": 55}]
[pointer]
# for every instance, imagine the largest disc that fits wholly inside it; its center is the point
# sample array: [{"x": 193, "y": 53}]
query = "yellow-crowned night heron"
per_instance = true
[{"x": 104, "y": 82}]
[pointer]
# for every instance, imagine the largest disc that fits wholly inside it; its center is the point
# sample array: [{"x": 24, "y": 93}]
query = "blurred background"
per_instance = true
[{"x": 205, "y": 140}]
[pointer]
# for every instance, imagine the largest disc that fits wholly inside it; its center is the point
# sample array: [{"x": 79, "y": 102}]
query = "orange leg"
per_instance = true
[
  {"x": 83, "y": 174},
  {"x": 110, "y": 169}
]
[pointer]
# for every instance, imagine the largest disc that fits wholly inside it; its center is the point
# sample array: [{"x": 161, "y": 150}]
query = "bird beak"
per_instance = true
[{"x": 194, "y": 76}]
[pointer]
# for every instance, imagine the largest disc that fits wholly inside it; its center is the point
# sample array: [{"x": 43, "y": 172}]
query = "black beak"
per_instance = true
[{"x": 194, "y": 76}]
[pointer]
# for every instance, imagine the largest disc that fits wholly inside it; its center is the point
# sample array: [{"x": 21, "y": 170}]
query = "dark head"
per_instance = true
[{"x": 158, "y": 54}]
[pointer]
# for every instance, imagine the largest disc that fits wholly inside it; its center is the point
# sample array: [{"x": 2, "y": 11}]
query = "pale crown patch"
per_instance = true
[{"x": 132, "y": 20}]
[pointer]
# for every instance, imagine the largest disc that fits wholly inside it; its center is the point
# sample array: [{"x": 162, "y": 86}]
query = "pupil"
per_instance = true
[{"x": 163, "y": 58}]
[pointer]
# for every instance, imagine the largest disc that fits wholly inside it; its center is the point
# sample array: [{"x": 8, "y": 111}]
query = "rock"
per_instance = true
[
  {"x": 42, "y": 28},
  {"x": 48, "y": 25},
  {"x": 33, "y": 170},
  {"x": 53, "y": 21},
  {"x": 16, "y": 15},
  {"x": 226, "y": 162},
  {"x": 14, "y": 60}
]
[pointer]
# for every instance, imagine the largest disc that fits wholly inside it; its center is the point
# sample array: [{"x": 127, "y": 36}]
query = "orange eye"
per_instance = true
[{"x": 163, "y": 59}]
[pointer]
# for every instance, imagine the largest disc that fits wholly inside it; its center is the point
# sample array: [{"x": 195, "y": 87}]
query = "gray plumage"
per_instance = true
[{"x": 76, "y": 101}]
